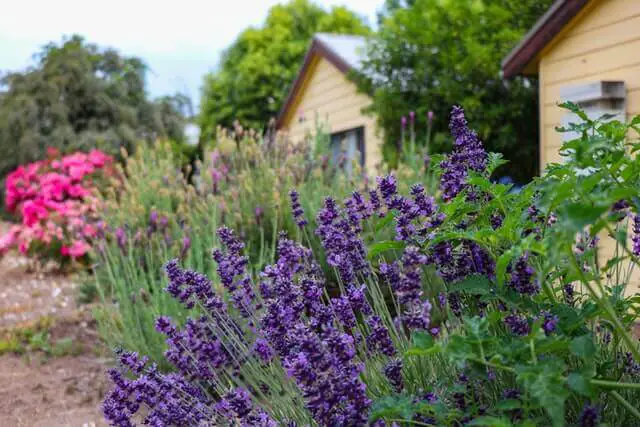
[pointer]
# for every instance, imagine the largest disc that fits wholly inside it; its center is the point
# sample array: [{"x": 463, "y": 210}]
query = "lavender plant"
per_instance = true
[{"x": 528, "y": 321}]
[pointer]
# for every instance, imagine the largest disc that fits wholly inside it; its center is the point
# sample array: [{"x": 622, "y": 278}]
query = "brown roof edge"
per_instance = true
[
  {"x": 317, "y": 48},
  {"x": 542, "y": 33}
]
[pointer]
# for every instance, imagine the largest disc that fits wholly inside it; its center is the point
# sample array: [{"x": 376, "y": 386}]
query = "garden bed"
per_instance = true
[{"x": 51, "y": 361}]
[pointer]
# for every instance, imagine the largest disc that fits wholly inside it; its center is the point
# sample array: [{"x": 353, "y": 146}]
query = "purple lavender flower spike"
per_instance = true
[
  {"x": 468, "y": 155},
  {"x": 121, "y": 238},
  {"x": 237, "y": 405},
  {"x": 589, "y": 416},
  {"x": 393, "y": 372},
  {"x": 343, "y": 311},
  {"x": 636, "y": 235},
  {"x": 344, "y": 248},
  {"x": 186, "y": 244},
  {"x": 518, "y": 324},
  {"x": 379, "y": 339},
  {"x": 522, "y": 277},
  {"x": 549, "y": 323},
  {"x": 388, "y": 188},
  {"x": 296, "y": 209}
]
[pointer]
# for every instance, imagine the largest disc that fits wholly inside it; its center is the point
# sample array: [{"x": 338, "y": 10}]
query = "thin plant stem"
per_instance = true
[{"x": 628, "y": 406}]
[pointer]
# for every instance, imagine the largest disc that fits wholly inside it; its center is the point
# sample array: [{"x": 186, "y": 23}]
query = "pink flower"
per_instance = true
[
  {"x": 77, "y": 191},
  {"x": 89, "y": 230},
  {"x": 98, "y": 158},
  {"x": 33, "y": 212},
  {"x": 79, "y": 171},
  {"x": 9, "y": 239},
  {"x": 77, "y": 249},
  {"x": 74, "y": 159},
  {"x": 24, "y": 246},
  {"x": 56, "y": 203}
]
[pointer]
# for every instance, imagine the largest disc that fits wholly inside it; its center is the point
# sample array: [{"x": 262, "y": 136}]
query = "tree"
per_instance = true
[
  {"x": 256, "y": 71},
  {"x": 432, "y": 54},
  {"x": 79, "y": 96}
]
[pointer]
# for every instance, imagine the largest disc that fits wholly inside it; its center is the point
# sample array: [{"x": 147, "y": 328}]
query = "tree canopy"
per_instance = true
[
  {"x": 79, "y": 96},
  {"x": 256, "y": 71},
  {"x": 432, "y": 54}
]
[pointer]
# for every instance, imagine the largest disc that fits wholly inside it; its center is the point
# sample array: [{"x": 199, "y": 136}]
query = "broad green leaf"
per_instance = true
[
  {"x": 395, "y": 406},
  {"x": 474, "y": 285},
  {"x": 384, "y": 222},
  {"x": 380, "y": 247},
  {"x": 422, "y": 344},
  {"x": 583, "y": 346},
  {"x": 579, "y": 214},
  {"x": 575, "y": 109},
  {"x": 489, "y": 421},
  {"x": 546, "y": 384},
  {"x": 580, "y": 383},
  {"x": 509, "y": 405},
  {"x": 501, "y": 267}
]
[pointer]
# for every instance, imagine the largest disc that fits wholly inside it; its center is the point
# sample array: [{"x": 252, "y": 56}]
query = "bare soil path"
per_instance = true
[{"x": 58, "y": 377}]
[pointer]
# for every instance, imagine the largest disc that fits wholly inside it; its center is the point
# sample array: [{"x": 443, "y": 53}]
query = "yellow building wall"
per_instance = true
[
  {"x": 601, "y": 43},
  {"x": 328, "y": 95}
]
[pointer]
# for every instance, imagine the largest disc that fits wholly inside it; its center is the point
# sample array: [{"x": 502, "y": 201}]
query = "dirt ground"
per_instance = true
[{"x": 47, "y": 387}]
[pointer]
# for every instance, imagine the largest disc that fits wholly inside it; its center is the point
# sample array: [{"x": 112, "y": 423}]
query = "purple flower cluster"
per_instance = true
[
  {"x": 237, "y": 405},
  {"x": 190, "y": 287},
  {"x": 496, "y": 220},
  {"x": 296, "y": 209},
  {"x": 569, "y": 293},
  {"x": 328, "y": 376},
  {"x": 341, "y": 242},
  {"x": 549, "y": 323},
  {"x": 455, "y": 263},
  {"x": 416, "y": 215},
  {"x": 636, "y": 235},
  {"x": 589, "y": 416},
  {"x": 518, "y": 324},
  {"x": 299, "y": 327},
  {"x": 523, "y": 277},
  {"x": 631, "y": 367},
  {"x": 358, "y": 209},
  {"x": 170, "y": 399},
  {"x": 406, "y": 283},
  {"x": 393, "y": 372},
  {"x": 468, "y": 155},
  {"x": 379, "y": 338},
  {"x": 232, "y": 272},
  {"x": 196, "y": 350}
]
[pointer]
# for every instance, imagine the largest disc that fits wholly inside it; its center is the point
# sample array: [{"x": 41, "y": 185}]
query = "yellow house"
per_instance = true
[
  {"x": 585, "y": 51},
  {"x": 322, "y": 92}
]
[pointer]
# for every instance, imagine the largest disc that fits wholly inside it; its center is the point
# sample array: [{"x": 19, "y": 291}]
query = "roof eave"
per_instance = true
[
  {"x": 318, "y": 47},
  {"x": 524, "y": 55}
]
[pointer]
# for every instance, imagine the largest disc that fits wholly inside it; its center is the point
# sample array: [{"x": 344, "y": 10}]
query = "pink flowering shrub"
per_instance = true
[{"x": 56, "y": 202}]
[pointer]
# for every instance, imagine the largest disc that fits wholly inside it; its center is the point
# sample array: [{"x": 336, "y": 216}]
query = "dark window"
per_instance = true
[{"x": 347, "y": 146}]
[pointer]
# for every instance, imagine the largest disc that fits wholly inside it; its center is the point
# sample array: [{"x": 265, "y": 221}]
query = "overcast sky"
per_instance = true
[{"x": 179, "y": 39}]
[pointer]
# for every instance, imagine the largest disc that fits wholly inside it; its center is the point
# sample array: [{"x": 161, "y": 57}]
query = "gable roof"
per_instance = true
[
  {"x": 345, "y": 52},
  {"x": 542, "y": 33}
]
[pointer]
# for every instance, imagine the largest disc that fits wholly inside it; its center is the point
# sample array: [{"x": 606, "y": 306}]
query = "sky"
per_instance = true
[{"x": 180, "y": 40}]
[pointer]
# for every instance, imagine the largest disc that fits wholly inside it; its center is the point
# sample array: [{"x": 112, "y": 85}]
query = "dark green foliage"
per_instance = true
[
  {"x": 431, "y": 54},
  {"x": 78, "y": 96},
  {"x": 551, "y": 371},
  {"x": 257, "y": 70}
]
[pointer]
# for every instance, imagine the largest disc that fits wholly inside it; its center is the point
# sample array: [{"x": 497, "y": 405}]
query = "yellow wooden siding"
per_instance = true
[
  {"x": 603, "y": 44},
  {"x": 334, "y": 100}
]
